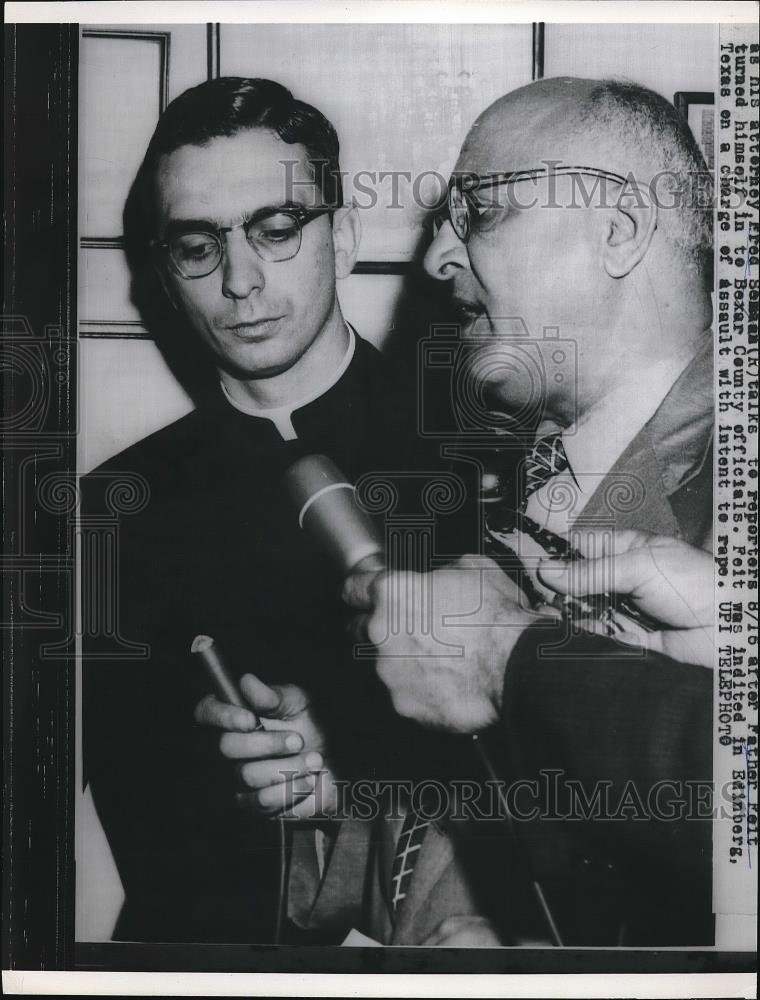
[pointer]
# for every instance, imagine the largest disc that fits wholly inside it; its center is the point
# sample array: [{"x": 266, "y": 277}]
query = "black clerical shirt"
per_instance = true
[{"x": 217, "y": 550}]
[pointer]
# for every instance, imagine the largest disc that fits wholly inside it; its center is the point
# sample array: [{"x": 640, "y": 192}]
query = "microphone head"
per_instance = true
[
  {"x": 326, "y": 506},
  {"x": 201, "y": 644},
  {"x": 308, "y": 476}
]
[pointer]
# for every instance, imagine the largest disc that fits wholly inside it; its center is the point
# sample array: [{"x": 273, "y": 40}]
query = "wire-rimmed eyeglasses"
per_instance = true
[
  {"x": 274, "y": 234},
  {"x": 463, "y": 208}
]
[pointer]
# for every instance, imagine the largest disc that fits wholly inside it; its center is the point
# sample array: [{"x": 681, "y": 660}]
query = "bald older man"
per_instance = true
[
  {"x": 563, "y": 212},
  {"x": 575, "y": 205}
]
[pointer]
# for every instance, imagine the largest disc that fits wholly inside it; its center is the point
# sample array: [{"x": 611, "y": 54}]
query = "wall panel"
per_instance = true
[
  {"x": 401, "y": 96},
  {"x": 664, "y": 57}
]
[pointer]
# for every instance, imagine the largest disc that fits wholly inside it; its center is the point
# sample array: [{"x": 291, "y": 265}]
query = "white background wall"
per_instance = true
[{"x": 344, "y": 74}]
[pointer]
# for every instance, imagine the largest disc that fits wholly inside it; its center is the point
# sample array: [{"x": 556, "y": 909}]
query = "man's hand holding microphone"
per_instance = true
[
  {"x": 278, "y": 747},
  {"x": 442, "y": 639},
  {"x": 271, "y": 732},
  {"x": 476, "y": 609}
]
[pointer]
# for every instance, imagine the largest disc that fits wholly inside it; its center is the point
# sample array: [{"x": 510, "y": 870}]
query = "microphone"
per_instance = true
[
  {"x": 205, "y": 650},
  {"x": 328, "y": 511}
]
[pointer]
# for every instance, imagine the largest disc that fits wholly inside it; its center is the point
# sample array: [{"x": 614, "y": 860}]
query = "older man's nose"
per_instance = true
[{"x": 446, "y": 255}]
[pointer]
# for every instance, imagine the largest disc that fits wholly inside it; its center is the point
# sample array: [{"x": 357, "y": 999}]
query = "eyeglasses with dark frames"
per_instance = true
[
  {"x": 463, "y": 208},
  {"x": 273, "y": 234}
]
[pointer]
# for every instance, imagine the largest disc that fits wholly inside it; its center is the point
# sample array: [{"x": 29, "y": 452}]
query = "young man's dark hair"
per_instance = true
[
  {"x": 232, "y": 104},
  {"x": 217, "y": 108}
]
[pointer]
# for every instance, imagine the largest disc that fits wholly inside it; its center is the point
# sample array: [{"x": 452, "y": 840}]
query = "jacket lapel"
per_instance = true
[
  {"x": 380, "y": 909},
  {"x": 650, "y": 486},
  {"x": 340, "y": 896},
  {"x": 631, "y": 495}
]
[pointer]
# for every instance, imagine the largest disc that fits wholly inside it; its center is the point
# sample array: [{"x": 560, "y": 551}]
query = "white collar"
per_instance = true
[{"x": 281, "y": 416}]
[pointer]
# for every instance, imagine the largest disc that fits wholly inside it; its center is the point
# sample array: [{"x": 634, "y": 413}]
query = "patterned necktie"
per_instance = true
[
  {"x": 410, "y": 840},
  {"x": 546, "y": 459}
]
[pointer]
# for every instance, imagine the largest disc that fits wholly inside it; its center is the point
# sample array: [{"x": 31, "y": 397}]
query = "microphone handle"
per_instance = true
[{"x": 205, "y": 650}]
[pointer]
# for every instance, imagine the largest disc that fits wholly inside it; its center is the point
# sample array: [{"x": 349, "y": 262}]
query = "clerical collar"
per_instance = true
[{"x": 282, "y": 416}]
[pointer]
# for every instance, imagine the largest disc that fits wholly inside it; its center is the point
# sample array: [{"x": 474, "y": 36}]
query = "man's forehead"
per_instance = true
[
  {"x": 526, "y": 128},
  {"x": 255, "y": 166}
]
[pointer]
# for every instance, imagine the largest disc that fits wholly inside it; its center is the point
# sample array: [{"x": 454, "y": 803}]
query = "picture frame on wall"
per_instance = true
[{"x": 698, "y": 108}]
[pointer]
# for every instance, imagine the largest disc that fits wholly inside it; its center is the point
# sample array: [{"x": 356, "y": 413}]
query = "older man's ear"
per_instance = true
[
  {"x": 347, "y": 234},
  {"x": 628, "y": 231}
]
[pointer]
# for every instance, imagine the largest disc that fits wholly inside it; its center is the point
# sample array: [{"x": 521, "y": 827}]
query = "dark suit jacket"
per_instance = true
[{"x": 600, "y": 713}]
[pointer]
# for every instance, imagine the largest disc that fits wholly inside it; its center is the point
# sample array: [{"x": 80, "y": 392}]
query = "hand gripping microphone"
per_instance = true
[{"x": 328, "y": 511}]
